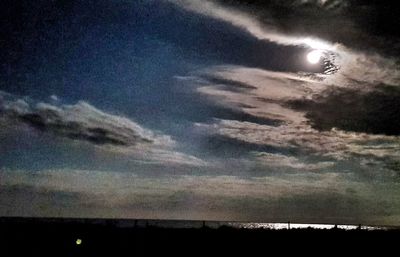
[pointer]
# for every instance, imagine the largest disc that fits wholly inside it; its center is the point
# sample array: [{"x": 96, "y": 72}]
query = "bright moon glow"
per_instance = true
[
  {"x": 317, "y": 44},
  {"x": 78, "y": 241},
  {"x": 314, "y": 56}
]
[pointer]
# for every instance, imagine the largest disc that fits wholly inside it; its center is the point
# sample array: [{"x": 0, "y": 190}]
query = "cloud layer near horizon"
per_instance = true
[{"x": 81, "y": 193}]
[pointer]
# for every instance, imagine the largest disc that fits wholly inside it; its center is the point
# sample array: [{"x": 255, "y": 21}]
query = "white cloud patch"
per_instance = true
[
  {"x": 334, "y": 143},
  {"x": 281, "y": 160},
  {"x": 85, "y": 123},
  {"x": 54, "y": 98}
]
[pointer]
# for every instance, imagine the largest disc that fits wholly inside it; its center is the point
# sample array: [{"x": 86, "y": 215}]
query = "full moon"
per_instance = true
[{"x": 314, "y": 56}]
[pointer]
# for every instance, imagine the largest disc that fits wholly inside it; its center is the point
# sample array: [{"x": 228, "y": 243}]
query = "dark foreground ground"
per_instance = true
[{"x": 58, "y": 237}]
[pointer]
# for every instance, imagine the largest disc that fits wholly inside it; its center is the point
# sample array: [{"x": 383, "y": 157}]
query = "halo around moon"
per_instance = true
[{"x": 314, "y": 56}]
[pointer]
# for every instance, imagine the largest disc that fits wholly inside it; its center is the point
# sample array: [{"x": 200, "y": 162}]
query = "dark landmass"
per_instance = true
[{"x": 58, "y": 237}]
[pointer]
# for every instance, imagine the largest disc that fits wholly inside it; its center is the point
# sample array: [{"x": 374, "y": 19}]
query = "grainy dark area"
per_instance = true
[{"x": 21, "y": 236}]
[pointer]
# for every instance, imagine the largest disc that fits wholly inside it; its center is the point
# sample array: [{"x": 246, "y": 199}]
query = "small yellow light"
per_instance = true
[{"x": 78, "y": 241}]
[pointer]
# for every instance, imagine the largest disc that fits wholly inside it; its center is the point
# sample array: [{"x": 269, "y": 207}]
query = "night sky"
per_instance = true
[{"x": 201, "y": 109}]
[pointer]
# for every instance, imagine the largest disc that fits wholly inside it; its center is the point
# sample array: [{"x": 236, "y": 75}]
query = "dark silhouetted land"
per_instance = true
[{"x": 58, "y": 237}]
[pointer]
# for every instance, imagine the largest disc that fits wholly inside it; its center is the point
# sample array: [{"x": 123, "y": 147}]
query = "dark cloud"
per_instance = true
[
  {"x": 395, "y": 166},
  {"x": 28, "y": 200},
  {"x": 213, "y": 106},
  {"x": 222, "y": 43},
  {"x": 73, "y": 130},
  {"x": 232, "y": 84},
  {"x": 83, "y": 122},
  {"x": 224, "y": 146},
  {"x": 375, "y": 112},
  {"x": 80, "y": 121},
  {"x": 237, "y": 114}
]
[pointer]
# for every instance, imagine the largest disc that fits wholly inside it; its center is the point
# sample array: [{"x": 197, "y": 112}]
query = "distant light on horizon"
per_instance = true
[{"x": 278, "y": 226}]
